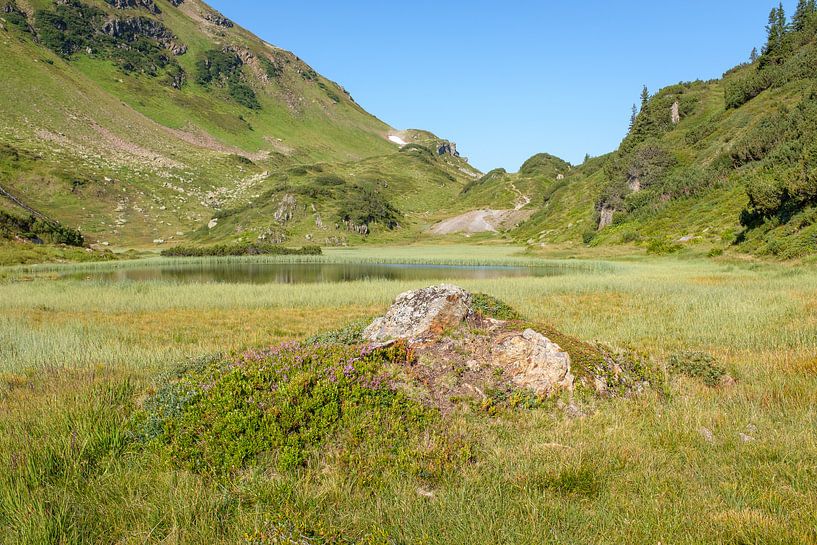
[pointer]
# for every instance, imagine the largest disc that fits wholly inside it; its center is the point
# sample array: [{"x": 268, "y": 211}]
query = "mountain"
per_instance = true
[
  {"x": 717, "y": 164},
  {"x": 143, "y": 120}
]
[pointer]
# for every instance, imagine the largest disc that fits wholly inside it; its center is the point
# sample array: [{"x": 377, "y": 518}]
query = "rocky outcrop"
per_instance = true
[
  {"x": 675, "y": 112},
  {"x": 131, "y": 28},
  {"x": 447, "y": 148},
  {"x": 606, "y": 216},
  {"x": 286, "y": 209},
  {"x": 445, "y": 332},
  {"x": 217, "y": 19},
  {"x": 533, "y": 360},
  {"x": 421, "y": 314},
  {"x": 126, "y": 4}
]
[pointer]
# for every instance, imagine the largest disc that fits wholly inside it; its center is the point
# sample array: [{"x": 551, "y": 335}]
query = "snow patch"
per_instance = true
[{"x": 397, "y": 140}]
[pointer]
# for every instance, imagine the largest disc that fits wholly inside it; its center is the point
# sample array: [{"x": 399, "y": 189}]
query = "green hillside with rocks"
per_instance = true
[
  {"x": 727, "y": 164},
  {"x": 139, "y": 121}
]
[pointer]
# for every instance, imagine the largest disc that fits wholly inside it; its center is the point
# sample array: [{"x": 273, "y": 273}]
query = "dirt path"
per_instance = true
[
  {"x": 486, "y": 220},
  {"x": 523, "y": 199}
]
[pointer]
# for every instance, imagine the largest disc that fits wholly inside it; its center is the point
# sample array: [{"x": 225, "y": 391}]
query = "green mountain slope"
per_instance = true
[
  {"x": 139, "y": 120},
  {"x": 721, "y": 163}
]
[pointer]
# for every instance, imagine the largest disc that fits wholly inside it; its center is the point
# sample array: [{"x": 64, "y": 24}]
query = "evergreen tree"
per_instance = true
[
  {"x": 633, "y": 117},
  {"x": 776, "y": 30},
  {"x": 801, "y": 15},
  {"x": 645, "y": 97},
  {"x": 753, "y": 55},
  {"x": 782, "y": 22}
]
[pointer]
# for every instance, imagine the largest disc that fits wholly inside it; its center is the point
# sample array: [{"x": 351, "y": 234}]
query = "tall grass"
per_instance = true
[{"x": 632, "y": 471}]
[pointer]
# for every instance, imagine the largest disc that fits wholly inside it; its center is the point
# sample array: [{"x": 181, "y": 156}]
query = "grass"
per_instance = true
[{"x": 78, "y": 358}]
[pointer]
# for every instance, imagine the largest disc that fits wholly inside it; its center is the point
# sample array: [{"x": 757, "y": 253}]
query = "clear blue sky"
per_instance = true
[{"x": 509, "y": 79}]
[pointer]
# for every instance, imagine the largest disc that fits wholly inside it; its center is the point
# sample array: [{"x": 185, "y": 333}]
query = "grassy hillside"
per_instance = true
[
  {"x": 141, "y": 122},
  {"x": 724, "y": 163}
]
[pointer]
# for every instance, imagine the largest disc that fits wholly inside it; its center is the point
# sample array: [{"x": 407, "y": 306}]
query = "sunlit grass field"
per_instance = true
[{"x": 78, "y": 357}]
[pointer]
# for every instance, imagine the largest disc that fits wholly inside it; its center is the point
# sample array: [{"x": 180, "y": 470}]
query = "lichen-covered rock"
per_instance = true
[
  {"x": 421, "y": 313},
  {"x": 533, "y": 361}
]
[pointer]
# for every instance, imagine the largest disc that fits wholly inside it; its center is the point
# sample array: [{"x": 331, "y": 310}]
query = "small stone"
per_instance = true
[
  {"x": 727, "y": 381},
  {"x": 751, "y": 428},
  {"x": 707, "y": 434},
  {"x": 574, "y": 411},
  {"x": 746, "y": 438},
  {"x": 425, "y": 493}
]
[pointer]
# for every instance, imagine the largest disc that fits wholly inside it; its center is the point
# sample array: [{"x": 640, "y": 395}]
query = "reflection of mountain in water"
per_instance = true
[{"x": 311, "y": 273}]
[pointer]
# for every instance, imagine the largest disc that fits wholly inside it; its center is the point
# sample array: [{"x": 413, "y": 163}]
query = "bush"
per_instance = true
[
  {"x": 283, "y": 404},
  {"x": 330, "y": 180},
  {"x": 699, "y": 365},
  {"x": 630, "y": 236},
  {"x": 238, "y": 250},
  {"x": 244, "y": 95},
  {"x": 217, "y": 66},
  {"x": 589, "y": 235},
  {"x": 662, "y": 246},
  {"x": 363, "y": 205},
  {"x": 491, "y": 307},
  {"x": 38, "y": 229}
]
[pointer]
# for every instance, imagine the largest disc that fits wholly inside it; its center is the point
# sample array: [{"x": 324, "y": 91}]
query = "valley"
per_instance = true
[{"x": 236, "y": 307}]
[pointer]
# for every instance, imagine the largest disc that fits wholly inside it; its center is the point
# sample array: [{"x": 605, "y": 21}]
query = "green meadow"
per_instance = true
[{"x": 685, "y": 463}]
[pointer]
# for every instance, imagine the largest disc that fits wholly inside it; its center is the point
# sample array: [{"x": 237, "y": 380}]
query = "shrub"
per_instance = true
[
  {"x": 662, "y": 246},
  {"x": 283, "y": 404},
  {"x": 218, "y": 66},
  {"x": 238, "y": 250},
  {"x": 38, "y": 229},
  {"x": 491, "y": 307},
  {"x": 699, "y": 365},
  {"x": 630, "y": 236},
  {"x": 363, "y": 205},
  {"x": 330, "y": 180},
  {"x": 589, "y": 235}
]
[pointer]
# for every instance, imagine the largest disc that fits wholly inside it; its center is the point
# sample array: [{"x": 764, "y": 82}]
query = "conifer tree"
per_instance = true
[
  {"x": 633, "y": 117},
  {"x": 776, "y": 30},
  {"x": 753, "y": 55},
  {"x": 645, "y": 97},
  {"x": 801, "y": 15}
]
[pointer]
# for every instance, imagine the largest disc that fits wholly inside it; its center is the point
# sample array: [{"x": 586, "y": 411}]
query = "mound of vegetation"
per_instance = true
[
  {"x": 544, "y": 165},
  {"x": 239, "y": 249},
  {"x": 337, "y": 394},
  {"x": 283, "y": 405},
  {"x": 363, "y": 205},
  {"x": 38, "y": 230},
  {"x": 492, "y": 176}
]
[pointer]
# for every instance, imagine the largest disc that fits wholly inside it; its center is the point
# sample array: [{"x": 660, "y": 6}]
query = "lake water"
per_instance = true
[{"x": 308, "y": 273}]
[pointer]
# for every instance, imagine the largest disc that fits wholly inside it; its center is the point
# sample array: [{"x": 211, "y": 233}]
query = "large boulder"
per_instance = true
[
  {"x": 421, "y": 314},
  {"x": 481, "y": 346},
  {"x": 533, "y": 361}
]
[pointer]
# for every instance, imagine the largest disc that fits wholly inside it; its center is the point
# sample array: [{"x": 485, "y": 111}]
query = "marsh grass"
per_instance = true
[{"x": 78, "y": 358}]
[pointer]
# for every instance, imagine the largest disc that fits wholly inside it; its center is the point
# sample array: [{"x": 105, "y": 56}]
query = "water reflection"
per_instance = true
[{"x": 309, "y": 273}]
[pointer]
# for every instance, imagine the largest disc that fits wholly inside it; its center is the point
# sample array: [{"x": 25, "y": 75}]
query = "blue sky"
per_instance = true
[{"x": 509, "y": 79}]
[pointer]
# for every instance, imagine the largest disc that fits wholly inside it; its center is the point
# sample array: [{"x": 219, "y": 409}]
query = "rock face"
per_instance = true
[
  {"x": 447, "y": 148},
  {"x": 606, "y": 216},
  {"x": 676, "y": 112},
  {"x": 421, "y": 314},
  {"x": 534, "y": 361},
  {"x": 125, "y": 4},
  {"x": 130, "y": 29}
]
